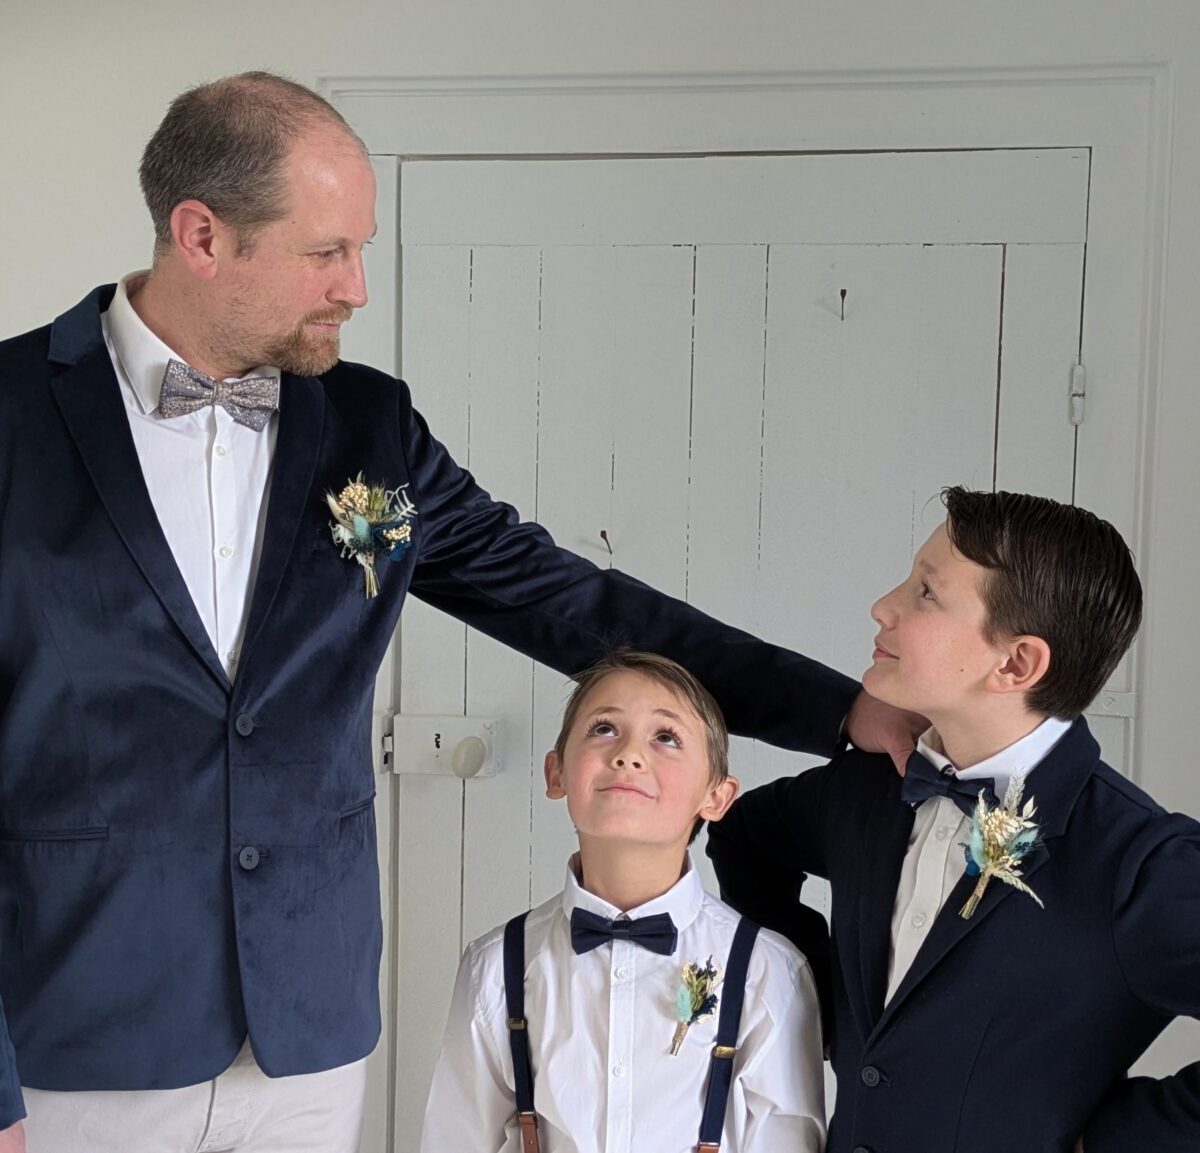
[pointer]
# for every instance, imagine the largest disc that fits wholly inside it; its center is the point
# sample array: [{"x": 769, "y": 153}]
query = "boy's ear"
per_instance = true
[
  {"x": 553, "y": 769},
  {"x": 719, "y": 798},
  {"x": 1027, "y": 662}
]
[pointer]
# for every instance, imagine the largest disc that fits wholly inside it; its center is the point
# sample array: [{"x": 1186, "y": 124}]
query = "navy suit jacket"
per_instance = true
[
  {"x": 184, "y": 860},
  {"x": 1012, "y": 1030}
]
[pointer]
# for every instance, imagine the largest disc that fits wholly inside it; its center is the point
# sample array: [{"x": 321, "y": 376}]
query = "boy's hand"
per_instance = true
[
  {"x": 1079, "y": 1145},
  {"x": 878, "y": 728},
  {"x": 12, "y": 1139}
]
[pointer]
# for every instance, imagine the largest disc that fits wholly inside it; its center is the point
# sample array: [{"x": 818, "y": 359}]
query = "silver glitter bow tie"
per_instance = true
[{"x": 250, "y": 401}]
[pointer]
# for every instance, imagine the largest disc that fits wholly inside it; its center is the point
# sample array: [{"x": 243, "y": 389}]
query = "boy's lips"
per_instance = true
[
  {"x": 625, "y": 787},
  {"x": 880, "y": 651}
]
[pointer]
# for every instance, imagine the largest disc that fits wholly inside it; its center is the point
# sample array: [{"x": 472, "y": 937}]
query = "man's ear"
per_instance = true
[
  {"x": 200, "y": 238},
  {"x": 1027, "y": 662},
  {"x": 719, "y": 798},
  {"x": 554, "y": 783}
]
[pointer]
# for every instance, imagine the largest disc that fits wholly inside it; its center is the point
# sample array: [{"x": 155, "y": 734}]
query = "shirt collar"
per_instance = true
[
  {"x": 682, "y": 900},
  {"x": 143, "y": 355},
  {"x": 1017, "y": 759}
]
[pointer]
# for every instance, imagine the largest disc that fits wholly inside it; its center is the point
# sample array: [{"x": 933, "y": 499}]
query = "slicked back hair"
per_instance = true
[
  {"x": 225, "y": 143},
  {"x": 673, "y": 677},
  {"x": 1057, "y": 572}
]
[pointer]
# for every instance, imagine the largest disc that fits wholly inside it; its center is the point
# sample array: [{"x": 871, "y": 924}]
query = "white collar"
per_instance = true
[
  {"x": 682, "y": 900},
  {"x": 143, "y": 355},
  {"x": 1017, "y": 759}
]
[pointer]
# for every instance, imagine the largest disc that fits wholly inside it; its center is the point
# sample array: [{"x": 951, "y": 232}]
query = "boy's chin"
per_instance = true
[{"x": 883, "y": 688}]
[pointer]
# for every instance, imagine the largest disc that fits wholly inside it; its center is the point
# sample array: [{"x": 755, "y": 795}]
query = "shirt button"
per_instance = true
[
  {"x": 619, "y": 1069},
  {"x": 870, "y": 1076},
  {"x": 244, "y": 724},
  {"x": 225, "y": 552},
  {"x": 863, "y": 1149},
  {"x": 942, "y": 833},
  {"x": 620, "y": 972},
  {"x": 918, "y": 920},
  {"x": 220, "y": 450},
  {"x": 248, "y": 858},
  {"x": 232, "y": 656}
]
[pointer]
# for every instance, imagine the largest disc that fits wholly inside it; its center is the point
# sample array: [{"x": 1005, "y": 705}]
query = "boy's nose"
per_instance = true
[
  {"x": 881, "y": 609},
  {"x": 628, "y": 759}
]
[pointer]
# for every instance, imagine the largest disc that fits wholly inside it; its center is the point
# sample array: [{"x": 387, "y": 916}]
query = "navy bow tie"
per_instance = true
[
  {"x": 656, "y": 933},
  {"x": 922, "y": 781},
  {"x": 250, "y": 401}
]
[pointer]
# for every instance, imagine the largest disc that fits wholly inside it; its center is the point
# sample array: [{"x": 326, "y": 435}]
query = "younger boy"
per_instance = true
[
  {"x": 1008, "y": 1022},
  {"x": 590, "y": 993}
]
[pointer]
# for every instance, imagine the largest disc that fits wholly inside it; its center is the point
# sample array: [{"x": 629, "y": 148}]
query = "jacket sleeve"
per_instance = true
[
  {"x": 764, "y": 848},
  {"x": 478, "y": 562},
  {"x": 1156, "y": 930}
]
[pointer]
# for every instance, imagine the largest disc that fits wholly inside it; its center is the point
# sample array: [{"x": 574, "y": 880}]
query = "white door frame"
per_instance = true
[{"x": 1121, "y": 112}]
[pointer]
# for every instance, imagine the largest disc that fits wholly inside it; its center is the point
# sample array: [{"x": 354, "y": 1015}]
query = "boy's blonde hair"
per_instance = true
[{"x": 671, "y": 676}]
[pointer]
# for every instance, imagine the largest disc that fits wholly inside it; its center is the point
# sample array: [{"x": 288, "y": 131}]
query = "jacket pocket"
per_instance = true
[{"x": 89, "y": 833}]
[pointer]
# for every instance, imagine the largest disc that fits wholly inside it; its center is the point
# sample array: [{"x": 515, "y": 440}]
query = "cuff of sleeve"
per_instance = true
[{"x": 12, "y": 1104}]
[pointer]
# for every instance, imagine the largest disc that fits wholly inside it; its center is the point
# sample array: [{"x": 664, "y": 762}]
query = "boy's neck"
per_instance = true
[
  {"x": 628, "y": 875},
  {"x": 968, "y": 740}
]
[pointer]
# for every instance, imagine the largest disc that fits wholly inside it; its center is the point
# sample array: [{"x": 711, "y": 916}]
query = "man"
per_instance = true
[{"x": 189, "y": 922}]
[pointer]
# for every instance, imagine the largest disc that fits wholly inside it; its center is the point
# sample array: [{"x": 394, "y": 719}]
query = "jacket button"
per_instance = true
[
  {"x": 870, "y": 1076},
  {"x": 244, "y": 724},
  {"x": 248, "y": 858},
  {"x": 863, "y": 1149}
]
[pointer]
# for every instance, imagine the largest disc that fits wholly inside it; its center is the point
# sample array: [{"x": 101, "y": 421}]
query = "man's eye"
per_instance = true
[{"x": 328, "y": 253}]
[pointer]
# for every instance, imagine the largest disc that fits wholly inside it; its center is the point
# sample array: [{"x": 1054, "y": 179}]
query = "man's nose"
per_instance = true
[{"x": 351, "y": 288}]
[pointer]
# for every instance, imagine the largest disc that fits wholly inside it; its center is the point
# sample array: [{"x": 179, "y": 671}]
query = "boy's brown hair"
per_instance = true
[
  {"x": 671, "y": 676},
  {"x": 1057, "y": 572}
]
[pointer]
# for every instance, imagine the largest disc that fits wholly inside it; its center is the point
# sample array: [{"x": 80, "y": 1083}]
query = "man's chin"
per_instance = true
[{"x": 308, "y": 357}]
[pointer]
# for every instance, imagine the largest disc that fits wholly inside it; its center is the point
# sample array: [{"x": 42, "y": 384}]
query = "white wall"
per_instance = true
[{"x": 82, "y": 85}]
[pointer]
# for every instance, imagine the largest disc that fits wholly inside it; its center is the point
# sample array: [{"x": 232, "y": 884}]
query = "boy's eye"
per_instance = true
[
  {"x": 668, "y": 737},
  {"x": 602, "y": 729},
  {"x": 927, "y": 592}
]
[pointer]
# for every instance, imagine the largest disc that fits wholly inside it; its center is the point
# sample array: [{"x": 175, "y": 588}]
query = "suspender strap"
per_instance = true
[
  {"x": 720, "y": 1074},
  {"x": 518, "y": 1030}
]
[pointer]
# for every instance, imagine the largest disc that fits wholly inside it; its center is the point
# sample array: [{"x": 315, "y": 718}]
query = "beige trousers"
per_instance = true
[{"x": 241, "y": 1111}]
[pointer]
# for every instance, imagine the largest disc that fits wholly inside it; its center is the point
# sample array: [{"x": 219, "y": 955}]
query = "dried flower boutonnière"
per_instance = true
[
  {"x": 369, "y": 520},
  {"x": 1000, "y": 838}
]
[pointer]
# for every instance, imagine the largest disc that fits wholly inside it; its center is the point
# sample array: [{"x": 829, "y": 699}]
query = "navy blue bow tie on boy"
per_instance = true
[
  {"x": 249, "y": 401},
  {"x": 656, "y": 933},
  {"x": 922, "y": 781}
]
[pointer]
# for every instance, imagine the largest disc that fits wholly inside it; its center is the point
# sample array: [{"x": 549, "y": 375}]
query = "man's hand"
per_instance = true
[
  {"x": 12, "y": 1139},
  {"x": 878, "y": 728}
]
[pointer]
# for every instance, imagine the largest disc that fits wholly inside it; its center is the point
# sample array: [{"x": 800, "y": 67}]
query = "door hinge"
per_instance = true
[{"x": 1077, "y": 394}]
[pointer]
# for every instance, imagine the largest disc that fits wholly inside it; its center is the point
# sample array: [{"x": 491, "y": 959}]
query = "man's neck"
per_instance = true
[
  {"x": 172, "y": 313},
  {"x": 629, "y": 875},
  {"x": 968, "y": 740}
]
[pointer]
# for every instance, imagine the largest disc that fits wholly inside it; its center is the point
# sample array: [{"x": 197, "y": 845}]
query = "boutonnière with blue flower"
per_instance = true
[
  {"x": 999, "y": 839},
  {"x": 694, "y": 1000},
  {"x": 369, "y": 521}
]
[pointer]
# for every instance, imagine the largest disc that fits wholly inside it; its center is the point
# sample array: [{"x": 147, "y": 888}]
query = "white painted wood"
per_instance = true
[
  {"x": 371, "y": 339},
  {"x": 435, "y": 344},
  {"x": 875, "y": 198}
]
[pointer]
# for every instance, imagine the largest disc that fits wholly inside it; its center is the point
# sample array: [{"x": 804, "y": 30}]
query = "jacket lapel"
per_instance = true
[
  {"x": 885, "y": 844},
  {"x": 1055, "y": 785},
  {"x": 89, "y": 398},
  {"x": 297, "y": 448}
]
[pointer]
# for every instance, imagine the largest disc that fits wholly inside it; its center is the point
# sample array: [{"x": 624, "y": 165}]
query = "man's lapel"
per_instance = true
[
  {"x": 1055, "y": 785},
  {"x": 89, "y": 398},
  {"x": 297, "y": 448},
  {"x": 884, "y": 846}
]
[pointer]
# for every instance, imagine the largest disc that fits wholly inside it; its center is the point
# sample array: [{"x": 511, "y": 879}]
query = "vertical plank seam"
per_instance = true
[
  {"x": 1087, "y": 215},
  {"x": 466, "y": 633},
  {"x": 999, "y": 369},
  {"x": 537, "y": 473},
  {"x": 687, "y": 536},
  {"x": 762, "y": 428}
]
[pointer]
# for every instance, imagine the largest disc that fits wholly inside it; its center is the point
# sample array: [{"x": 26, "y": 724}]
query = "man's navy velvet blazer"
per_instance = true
[
  {"x": 139, "y": 941},
  {"x": 1012, "y": 1030}
]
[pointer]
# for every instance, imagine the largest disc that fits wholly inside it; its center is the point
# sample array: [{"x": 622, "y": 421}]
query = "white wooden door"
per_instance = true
[{"x": 753, "y": 375}]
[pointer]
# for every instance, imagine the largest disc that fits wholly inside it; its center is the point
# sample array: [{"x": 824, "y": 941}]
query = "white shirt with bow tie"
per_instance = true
[
  {"x": 935, "y": 860},
  {"x": 600, "y": 1030},
  {"x": 206, "y": 474}
]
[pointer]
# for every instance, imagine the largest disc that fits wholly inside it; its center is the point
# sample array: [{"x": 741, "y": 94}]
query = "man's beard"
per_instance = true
[{"x": 304, "y": 352}]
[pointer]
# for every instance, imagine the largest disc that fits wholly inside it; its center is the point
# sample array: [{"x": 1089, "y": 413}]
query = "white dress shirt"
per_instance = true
[
  {"x": 207, "y": 476},
  {"x": 935, "y": 861},
  {"x": 600, "y": 1029}
]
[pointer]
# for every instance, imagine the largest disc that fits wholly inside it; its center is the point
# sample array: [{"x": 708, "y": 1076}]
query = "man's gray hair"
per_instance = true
[{"x": 225, "y": 144}]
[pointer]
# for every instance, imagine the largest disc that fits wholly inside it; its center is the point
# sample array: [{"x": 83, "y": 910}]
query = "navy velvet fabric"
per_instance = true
[{"x": 137, "y": 949}]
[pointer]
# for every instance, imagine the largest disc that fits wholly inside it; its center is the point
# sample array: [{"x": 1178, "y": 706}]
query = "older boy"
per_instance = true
[
  {"x": 1008, "y": 1023},
  {"x": 607, "y": 1018}
]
